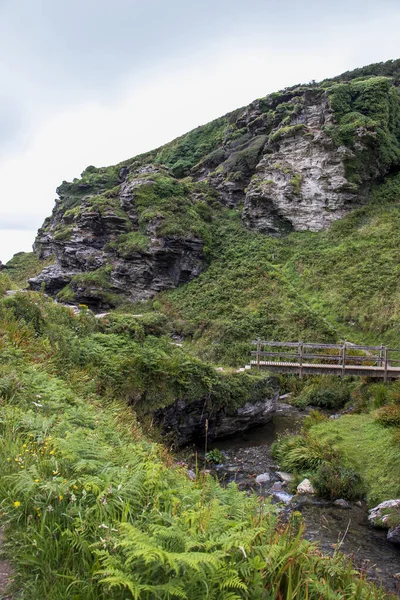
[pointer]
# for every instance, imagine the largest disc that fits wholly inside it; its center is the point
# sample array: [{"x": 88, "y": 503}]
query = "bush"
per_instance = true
[
  {"x": 303, "y": 452},
  {"x": 26, "y": 310},
  {"x": 334, "y": 481},
  {"x": 326, "y": 393},
  {"x": 389, "y": 415}
]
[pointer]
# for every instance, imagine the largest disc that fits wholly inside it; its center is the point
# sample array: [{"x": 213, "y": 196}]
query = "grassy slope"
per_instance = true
[
  {"x": 341, "y": 283},
  {"x": 24, "y": 265},
  {"x": 95, "y": 511},
  {"x": 370, "y": 449}
]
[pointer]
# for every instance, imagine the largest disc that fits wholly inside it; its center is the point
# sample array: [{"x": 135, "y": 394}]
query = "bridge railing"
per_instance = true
[{"x": 343, "y": 355}]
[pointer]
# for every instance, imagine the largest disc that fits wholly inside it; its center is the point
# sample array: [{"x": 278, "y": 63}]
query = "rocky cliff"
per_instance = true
[{"x": 295, "y": 160}]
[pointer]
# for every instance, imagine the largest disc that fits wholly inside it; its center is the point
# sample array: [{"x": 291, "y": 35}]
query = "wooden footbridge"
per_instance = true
[{"x": 344, "y": 359}]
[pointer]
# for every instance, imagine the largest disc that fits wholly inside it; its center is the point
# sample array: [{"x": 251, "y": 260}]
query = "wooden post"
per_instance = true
[
  {"x": 344, "y": 359},
  {"x": 386, "y": 364},
  {"x": 301, "y": 359},
  {"x": 258, "y": 352},
  {"x": 381, "y": 355}
]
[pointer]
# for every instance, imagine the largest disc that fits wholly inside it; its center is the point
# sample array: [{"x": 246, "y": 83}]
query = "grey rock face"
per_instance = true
[
  {"x": 300, "y": 182},
  {"x": 86, "y": 244},
  {"x": 187, "y": 421}
]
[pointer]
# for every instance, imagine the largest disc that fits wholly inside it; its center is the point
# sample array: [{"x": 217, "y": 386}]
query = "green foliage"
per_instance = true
[
  {"x": 368, "y": 121},
  {"x": 215, "y": 456},
  {"x": 24, "y": 265},
  {"x": 242, "y": 163},
  {"x": 93, "y": 180},
  {"x": 5, "y": 283},
  {"x": 368, "y": 448},
  {"x": 130, "y": 243},
  {"x": 325, "y": 392},
  {"x": 24, "y": 308},
  {"x": 335, "y": 481},
  {"x": 185, "y": 152},
  {"x": 304, "y": 452},
  {"x": 93, "y": 510},
  {"x": 389, "y": 415},
  {"x": 167, "y": 203},
  {"x": 286, "y": 131}
]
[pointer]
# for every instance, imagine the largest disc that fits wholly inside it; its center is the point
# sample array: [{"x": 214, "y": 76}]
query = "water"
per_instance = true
[{"x": 249, "y": 454}]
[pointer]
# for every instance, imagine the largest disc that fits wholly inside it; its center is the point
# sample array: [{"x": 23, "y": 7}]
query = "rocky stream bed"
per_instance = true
[{"x": 249, "y": 463}]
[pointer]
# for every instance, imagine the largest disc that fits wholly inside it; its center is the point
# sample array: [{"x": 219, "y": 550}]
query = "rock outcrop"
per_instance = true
[
  {"x": 295, "y": 160},
  {"x": 300, "y": 182},
  {"x": 101, "y": 255},
  {"x": 187, "y": 422}
]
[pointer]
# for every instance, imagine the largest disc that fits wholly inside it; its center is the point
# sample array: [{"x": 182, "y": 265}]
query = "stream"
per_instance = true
[{"x": 249, "y": 454}]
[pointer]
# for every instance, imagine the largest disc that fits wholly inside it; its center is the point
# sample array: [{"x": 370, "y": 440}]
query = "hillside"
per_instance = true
[
  {"x": 295, "y": 161},
  {"x": 280, "y": 220}
]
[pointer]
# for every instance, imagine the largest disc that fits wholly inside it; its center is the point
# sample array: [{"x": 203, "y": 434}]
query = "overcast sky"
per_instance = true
[{"x": 98, "y": 81}]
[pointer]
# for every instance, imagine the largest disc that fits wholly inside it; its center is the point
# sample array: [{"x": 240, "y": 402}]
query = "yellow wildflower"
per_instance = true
[
  {"x": 36, "y": 480},
  {"x": 60, "y": 497},
  {"x": 17, "y": 503},
  {"x": 51, "y": 451},
  {"x": 75, "y": 487}
]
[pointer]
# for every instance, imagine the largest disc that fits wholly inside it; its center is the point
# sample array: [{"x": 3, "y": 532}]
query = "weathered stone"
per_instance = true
[
  {"x": 377, "y": 516},
  {"x": 191, "y": 474},
  {"x": 305, "y": 487},
  {"x": 166, "y": 263},
  {"x": 300, "y": 182},
  {"x": 285, "y": 477},
  {"x": 263, "y": 478},
  {"x": 186, "y": 421},
  {"x": 341, "y": 503}
]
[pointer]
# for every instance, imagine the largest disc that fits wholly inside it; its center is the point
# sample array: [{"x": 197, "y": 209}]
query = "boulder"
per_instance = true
[
  {"x": 378, "y": 517},
  {"x": 305, "y": 487},
  {"x": 284, "y": 477},
  {"x": 263, "y": 478},
  {"x": 393, "y": 535},
  {"x": 341, "y": 503}
]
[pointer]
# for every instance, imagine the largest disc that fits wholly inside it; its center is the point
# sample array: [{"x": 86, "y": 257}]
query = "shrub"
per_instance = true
[
  {"x": 303, "y": 452},
  {"x": 389, "y": 415},
  {"x": 335, "y": 481},
  {"x": 326, "y": 393},
  {"x": 215, "y": 456},
  {"x": 26, "y": 310}
]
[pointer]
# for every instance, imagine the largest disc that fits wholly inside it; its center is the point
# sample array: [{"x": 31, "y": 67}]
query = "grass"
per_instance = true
[
  {"x": 337, "y": 284},
  {"x": 369, "y": 448},
  {"x": 25, "y": 265},
  {"x": 94, "y": 510}
]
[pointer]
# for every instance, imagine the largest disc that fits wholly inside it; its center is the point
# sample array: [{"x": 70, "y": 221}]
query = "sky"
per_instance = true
[{"x": 94, "y": 82}]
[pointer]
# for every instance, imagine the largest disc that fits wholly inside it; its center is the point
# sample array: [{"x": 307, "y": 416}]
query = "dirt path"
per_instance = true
[{"x": 5, "y": 573}]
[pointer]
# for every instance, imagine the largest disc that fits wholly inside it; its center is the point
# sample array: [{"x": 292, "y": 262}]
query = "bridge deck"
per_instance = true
[{"x": 315, "y": 368}]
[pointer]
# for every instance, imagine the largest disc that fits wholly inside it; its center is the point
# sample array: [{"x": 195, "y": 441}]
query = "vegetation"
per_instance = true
[
  {"x": 94, "y": 510},
  {"x": 23, "y": 266},
  {"x": 338, "y": 284},
  {"x": 368, "y": 115}
]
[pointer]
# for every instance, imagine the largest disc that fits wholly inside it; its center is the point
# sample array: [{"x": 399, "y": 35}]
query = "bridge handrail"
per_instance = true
[
  {"x": 343, "y": 357},
  {"x": 349, "y": 345}
]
